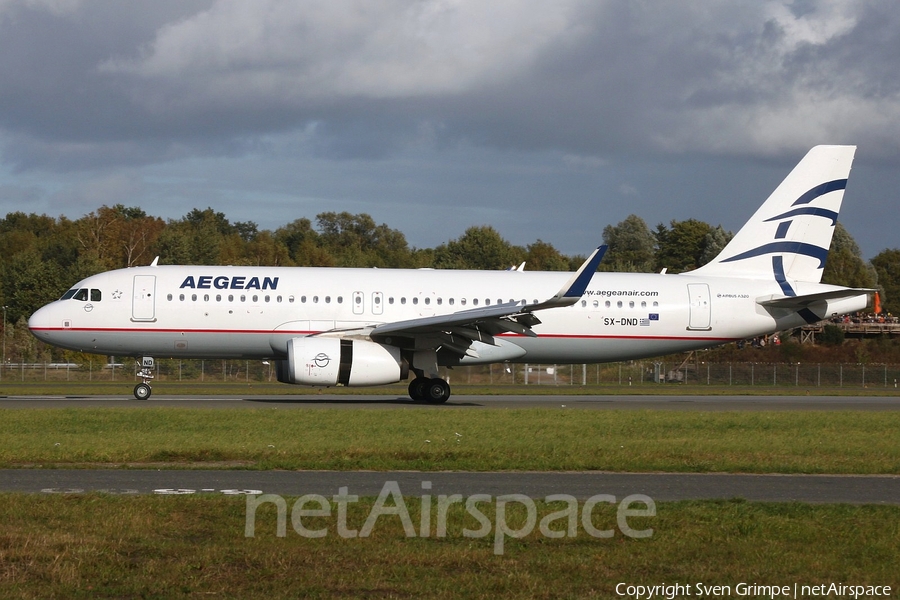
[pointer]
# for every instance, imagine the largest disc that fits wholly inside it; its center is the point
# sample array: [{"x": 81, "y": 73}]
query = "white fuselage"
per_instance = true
[{"x": 253, "y": 312}]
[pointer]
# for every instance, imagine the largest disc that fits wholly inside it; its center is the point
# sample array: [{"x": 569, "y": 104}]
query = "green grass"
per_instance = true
[
  {"x": 97, "y": 546},
  {"x": 556, "y": 439}
]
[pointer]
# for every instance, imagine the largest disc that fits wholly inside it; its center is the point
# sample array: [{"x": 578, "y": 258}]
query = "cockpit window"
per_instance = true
[{"x": 82, "y": 294}]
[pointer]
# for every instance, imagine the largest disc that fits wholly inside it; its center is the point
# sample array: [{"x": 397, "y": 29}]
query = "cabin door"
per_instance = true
[
  {"x": 143, "y": 305},
  {"x": 700, "y": 308}
]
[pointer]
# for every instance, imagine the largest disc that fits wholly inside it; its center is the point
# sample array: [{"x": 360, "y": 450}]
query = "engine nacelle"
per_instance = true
[{"x": 322, "y": 361}]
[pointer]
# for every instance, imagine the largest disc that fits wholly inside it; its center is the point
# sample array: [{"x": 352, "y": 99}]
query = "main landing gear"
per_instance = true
[
  {"x": 432, "y": 390},
  {"x": 142, "y": 390}
]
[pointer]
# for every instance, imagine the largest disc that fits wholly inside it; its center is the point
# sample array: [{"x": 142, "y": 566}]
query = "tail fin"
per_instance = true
[{"x": 789, "y": 236}]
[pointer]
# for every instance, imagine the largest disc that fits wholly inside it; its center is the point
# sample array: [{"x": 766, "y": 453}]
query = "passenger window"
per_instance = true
[
  {"x": 450, "y": 301},
  {"x": 194, "y": 297},
  {"x": 206, "y": 297},
  {"x": 474, "y": 301},
  {"x": 427, "y": 300},
  {"x": 619, "y": 304},
  {"x": 169, "y": 297},
  {"x": 415, "y": 300},
  {"x": 403, "y": 300},
  {"x": 631, "y": 304},
  {"x": 181, "y": 297}
]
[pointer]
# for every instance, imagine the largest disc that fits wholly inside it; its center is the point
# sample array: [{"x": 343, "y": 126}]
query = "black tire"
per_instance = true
[
  {"x": 417, "y": 388},
  {"x": 437, "y": 392},
  {"x": 142, "y": 391}
]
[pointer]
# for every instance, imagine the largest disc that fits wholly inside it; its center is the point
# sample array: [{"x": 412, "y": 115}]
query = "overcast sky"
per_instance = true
[{"x": 546, "y": 120}]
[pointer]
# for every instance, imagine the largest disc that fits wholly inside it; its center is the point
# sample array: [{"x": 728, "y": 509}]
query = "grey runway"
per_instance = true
[
  {"x": 538, "y": 485},
  {"x": 592, "y": 402}
]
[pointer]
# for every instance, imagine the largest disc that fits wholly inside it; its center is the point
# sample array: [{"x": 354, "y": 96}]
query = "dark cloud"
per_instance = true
[{"x": 406, "y": 107}]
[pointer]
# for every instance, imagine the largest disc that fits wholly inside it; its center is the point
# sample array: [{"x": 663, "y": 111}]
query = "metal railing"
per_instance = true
[{"x": 630, "y": 373}]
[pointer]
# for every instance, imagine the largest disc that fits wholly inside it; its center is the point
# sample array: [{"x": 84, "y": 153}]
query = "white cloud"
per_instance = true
[
  {"x": 322, "y": 48},
  {"x": 56, "y": 7}
]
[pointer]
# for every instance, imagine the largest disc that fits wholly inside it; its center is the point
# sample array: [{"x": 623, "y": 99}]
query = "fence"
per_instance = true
[{"x": 632, "y": 373}]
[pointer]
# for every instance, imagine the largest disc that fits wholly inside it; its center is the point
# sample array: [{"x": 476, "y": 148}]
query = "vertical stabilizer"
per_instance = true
[{"x": 789, "y": 236}]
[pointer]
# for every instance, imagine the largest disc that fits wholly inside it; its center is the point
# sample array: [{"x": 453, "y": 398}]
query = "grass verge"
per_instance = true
[
  {"x": 854, "y": 442},
  {"x": 97, "y": 546}
]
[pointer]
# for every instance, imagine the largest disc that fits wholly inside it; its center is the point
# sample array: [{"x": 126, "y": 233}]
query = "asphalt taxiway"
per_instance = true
[
  {"x": 324, "y": 400},
  {"x": 854, "y": 489}
]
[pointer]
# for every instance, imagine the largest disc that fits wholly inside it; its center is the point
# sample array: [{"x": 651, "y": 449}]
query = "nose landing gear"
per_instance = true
[{"x": 142, "y": 390}]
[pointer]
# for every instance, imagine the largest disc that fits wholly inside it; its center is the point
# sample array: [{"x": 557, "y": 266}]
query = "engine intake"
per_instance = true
[{"x": 320, "y": 361}]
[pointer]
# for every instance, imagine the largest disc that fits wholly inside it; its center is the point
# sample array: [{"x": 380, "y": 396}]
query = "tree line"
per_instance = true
[{"x": 42, "y": 256}]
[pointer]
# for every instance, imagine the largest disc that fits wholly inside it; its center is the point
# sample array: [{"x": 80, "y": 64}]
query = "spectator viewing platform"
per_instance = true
[{"x": 860, "y": 325}]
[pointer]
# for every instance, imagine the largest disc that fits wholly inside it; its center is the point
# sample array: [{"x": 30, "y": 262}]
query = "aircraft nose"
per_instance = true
[{"x": 40, "y": 322}]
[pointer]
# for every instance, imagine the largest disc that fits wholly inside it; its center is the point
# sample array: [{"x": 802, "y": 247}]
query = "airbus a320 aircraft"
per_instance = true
[{"x": 362, "y": 327}]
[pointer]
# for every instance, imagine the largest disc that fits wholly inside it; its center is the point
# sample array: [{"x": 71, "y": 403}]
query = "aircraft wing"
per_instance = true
[{"x": 456, "y": 331}]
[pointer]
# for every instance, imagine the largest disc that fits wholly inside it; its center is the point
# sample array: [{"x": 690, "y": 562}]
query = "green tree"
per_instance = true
[
  {"x": 681, "y": 246},
  {"x": 480, "y": 247},
  {"x": 714, "y": 242},
  {"x": 29, "y": 282},
  {"x": 845, "y": 265},
  {"x": 356, "y": 241},
  {"x": 302, "y": 243},
  {"x": 632, "y": 246},
  {"x": 887, "y": 267},
  {"x": 541, "y": 256},
  {"x": 197, "y": 239}
]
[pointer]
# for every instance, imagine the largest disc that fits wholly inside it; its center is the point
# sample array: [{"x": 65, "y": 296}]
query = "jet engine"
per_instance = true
[{"x": 322, "y": 361}]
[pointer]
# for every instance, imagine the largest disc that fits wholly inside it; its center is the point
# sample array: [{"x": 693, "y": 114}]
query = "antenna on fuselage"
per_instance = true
[{"x": 155, "y": 262}]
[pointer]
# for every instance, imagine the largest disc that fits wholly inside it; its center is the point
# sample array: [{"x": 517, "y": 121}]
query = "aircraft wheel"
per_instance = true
[
  {"x": 142, "y": 391},
  {"x": 417, "y": 388},
  {"x": 437, "y": 392}
]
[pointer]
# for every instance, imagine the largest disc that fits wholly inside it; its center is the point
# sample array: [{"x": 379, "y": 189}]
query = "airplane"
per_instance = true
[{"x": 365, "y": 327}]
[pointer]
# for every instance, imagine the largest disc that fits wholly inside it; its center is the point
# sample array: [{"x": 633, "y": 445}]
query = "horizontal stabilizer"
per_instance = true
[{"x": 798, "y": 302}]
